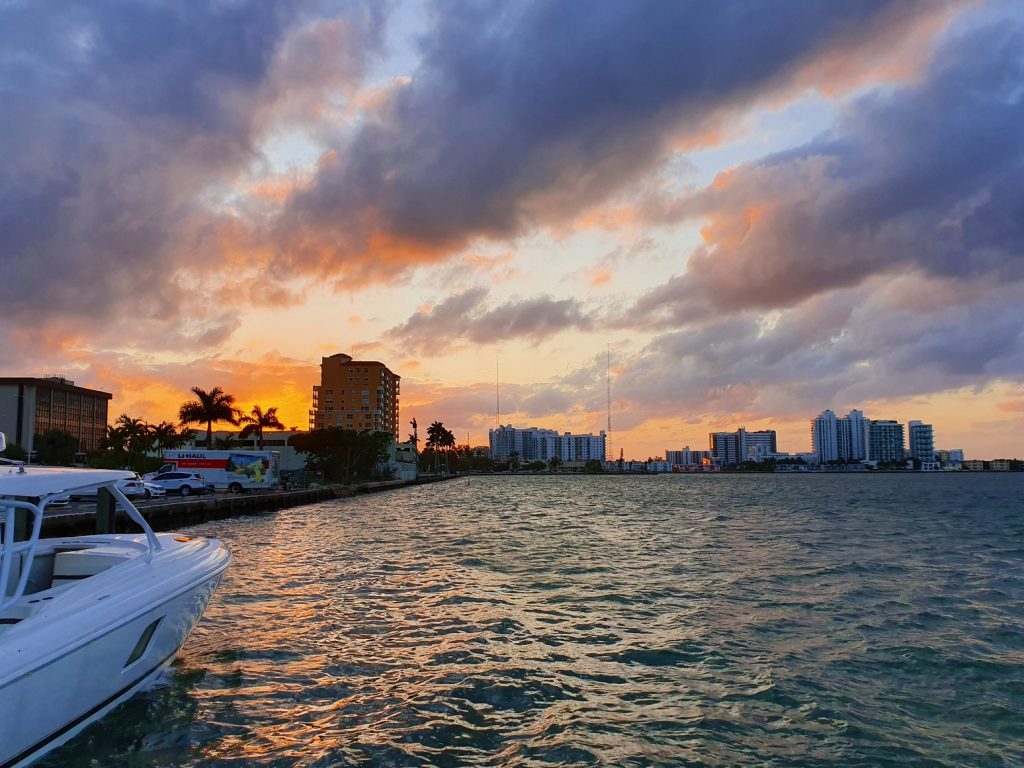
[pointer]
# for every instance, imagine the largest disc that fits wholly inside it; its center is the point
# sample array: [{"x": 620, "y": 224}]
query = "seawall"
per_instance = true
[{"x": 176, "y": 513}]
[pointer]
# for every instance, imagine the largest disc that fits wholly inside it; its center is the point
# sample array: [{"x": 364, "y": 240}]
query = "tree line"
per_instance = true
[{"x": 128, "y": 440}]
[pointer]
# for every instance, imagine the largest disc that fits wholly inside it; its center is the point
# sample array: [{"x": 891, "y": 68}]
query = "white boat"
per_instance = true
[{"x": 86, "y": 621}]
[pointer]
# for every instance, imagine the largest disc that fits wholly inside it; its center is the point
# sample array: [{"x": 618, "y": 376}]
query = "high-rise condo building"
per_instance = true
[
  {"x": 825, "y": 437},
  {"x": 533, "y": 444},
  {"x": 852, "y": 437},
  {"x": 885, "y": 441},
  {"x": 355, "y": 394},
  {"x": 733, "y": 448},
  {"x": 922, "y": 441},
  {"x": 30, "y": 407},
  {"x": 688, "y": 457},
  {"x": 839, "y": 439}
]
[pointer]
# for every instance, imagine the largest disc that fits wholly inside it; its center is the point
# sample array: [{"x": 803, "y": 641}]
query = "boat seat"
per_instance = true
[{"x": 72, "y": 567}]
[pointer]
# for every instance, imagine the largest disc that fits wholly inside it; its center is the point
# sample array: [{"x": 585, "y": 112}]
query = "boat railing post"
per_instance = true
[
  {"x": 6, "y": 555},
  {"x": 106, "y": 511},
  {"x": 11, "y": 548},
  {"x": 136, "y": 516}
]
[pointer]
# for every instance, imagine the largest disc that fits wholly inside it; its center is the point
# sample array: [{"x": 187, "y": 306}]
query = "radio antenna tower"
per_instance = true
[
  {"x": 497, "y": 395},
  {"x": 608, "y": 381}
]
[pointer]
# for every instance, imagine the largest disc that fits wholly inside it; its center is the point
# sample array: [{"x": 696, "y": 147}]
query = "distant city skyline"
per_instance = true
[{"x": 758, "y": 211}]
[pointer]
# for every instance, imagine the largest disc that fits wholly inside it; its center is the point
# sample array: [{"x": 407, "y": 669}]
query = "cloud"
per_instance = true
[
  {"x": 924, "y": 178},
  {"x": 122, "y": 121},
  {"x": 523, "y": 116},
  {"x": 464, "y": 317}
]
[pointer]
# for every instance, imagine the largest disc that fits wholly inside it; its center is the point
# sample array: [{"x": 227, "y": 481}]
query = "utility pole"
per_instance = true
[{"x": 608, "y": 382}]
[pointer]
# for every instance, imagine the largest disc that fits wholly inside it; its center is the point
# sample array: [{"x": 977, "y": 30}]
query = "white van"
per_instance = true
[{"x": 234, "y": 471}]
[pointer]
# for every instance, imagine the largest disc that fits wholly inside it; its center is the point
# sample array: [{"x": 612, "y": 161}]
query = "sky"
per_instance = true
[{"x": 745, "y": 212}]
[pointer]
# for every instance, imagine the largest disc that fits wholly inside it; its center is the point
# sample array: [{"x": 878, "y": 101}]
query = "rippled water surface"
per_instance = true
[{"x": 626, "y": 621}]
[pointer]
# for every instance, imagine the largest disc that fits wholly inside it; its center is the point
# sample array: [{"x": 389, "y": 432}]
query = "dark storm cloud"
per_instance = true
[
  {"x": 525, "y": 113},
  {"x": 117, "y": 117},
  {"x": 463, "y": 316},
  {"x": 925, "y": 178}
]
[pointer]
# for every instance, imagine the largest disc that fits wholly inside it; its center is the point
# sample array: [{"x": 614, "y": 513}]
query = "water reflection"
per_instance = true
[{"x": 615, "y": 621}]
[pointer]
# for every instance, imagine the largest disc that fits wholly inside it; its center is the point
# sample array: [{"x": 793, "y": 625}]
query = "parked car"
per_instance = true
[
  {"x": 184, "y": 483},
  {"x": 132, "y": 488},
  {"x": 152, "y": 490}
]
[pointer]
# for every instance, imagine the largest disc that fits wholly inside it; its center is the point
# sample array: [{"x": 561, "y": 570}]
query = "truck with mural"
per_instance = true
[{"x": 232, "y": 470}]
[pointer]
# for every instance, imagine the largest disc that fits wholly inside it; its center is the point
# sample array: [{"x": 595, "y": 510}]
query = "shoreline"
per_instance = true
[{"x": 178, "y": 513}]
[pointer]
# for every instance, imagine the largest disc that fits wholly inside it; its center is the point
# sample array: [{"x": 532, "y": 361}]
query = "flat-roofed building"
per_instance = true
[
  {"x": 534, "y": 444},
  {"x": 688, "y": 458},
  {"x": 825, "y": 437},
  {"x": 885, "y": 441},
  {"x": 852, "y": 434},
  {"x": 355, "y": 394},
  {"x": 922, "y": 441},
  {"x": 733, "y": 448},
  {"x": 31, "y": 406}
]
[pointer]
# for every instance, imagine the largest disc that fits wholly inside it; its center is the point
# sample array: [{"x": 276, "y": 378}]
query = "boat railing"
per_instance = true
[{"x": 10, "y": 550}]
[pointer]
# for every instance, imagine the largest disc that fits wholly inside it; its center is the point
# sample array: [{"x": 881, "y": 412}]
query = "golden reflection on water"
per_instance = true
[{"x": 622, "y": 621}]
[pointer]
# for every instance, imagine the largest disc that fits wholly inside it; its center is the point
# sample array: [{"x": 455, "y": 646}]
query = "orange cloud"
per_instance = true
[
  {"x": 610, "y": 218},
  {"x": 897, "y": 52},
  {"x": 598, "y": 276},
  {"x": 275, "y": 189},
  {"x": 731, "y": 229}
]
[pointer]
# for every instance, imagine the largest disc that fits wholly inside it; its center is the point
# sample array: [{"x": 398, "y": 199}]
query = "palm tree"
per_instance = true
[
  {"x": 554, "y": 462},
  {"x": 257, "y": 420},
  {"x": 114, "y": 439},
  {"x": 448, "y": 443},
  {"x": 166, "y": 435},
  {"x": 215, "y": 405},
  {"x": 439, "y": 438},
  {"x": 435, "y": 433},
  {"x": 135, "y": 435}
]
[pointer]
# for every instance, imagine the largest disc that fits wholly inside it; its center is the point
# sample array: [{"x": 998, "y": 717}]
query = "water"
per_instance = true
[{"x": 625, "y": 621}]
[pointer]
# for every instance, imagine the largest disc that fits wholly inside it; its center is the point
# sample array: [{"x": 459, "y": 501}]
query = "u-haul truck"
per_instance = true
[{"x": 234, "y": 471}]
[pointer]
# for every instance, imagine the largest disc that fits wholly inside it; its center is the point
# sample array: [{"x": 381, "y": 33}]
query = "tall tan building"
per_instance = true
[{"x": 355, "y": 394}]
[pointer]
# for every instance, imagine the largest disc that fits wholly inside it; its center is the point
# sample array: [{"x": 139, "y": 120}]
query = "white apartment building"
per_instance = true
[
  {"x": 825, "y": 437},
  {"x": 885, "y": 441},
  {"x": 852, "y": 433},
  {"x": 840, "y": 439},
  {"x": 733, "y": 448},
  {"x": 534, "y": 444},
  {"x": 688, "y": 458},
  {"x": 922, "y": 441}
]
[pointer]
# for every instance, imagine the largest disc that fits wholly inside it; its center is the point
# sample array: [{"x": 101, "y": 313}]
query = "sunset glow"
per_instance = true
[{"x": 759, "y": 213}]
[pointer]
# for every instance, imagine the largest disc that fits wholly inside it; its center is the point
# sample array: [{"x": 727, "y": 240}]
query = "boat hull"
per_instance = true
[{"x": 59, "y": 690}]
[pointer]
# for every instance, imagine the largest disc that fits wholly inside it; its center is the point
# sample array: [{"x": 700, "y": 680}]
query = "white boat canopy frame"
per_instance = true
[{"x": 31, "y": 488}]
